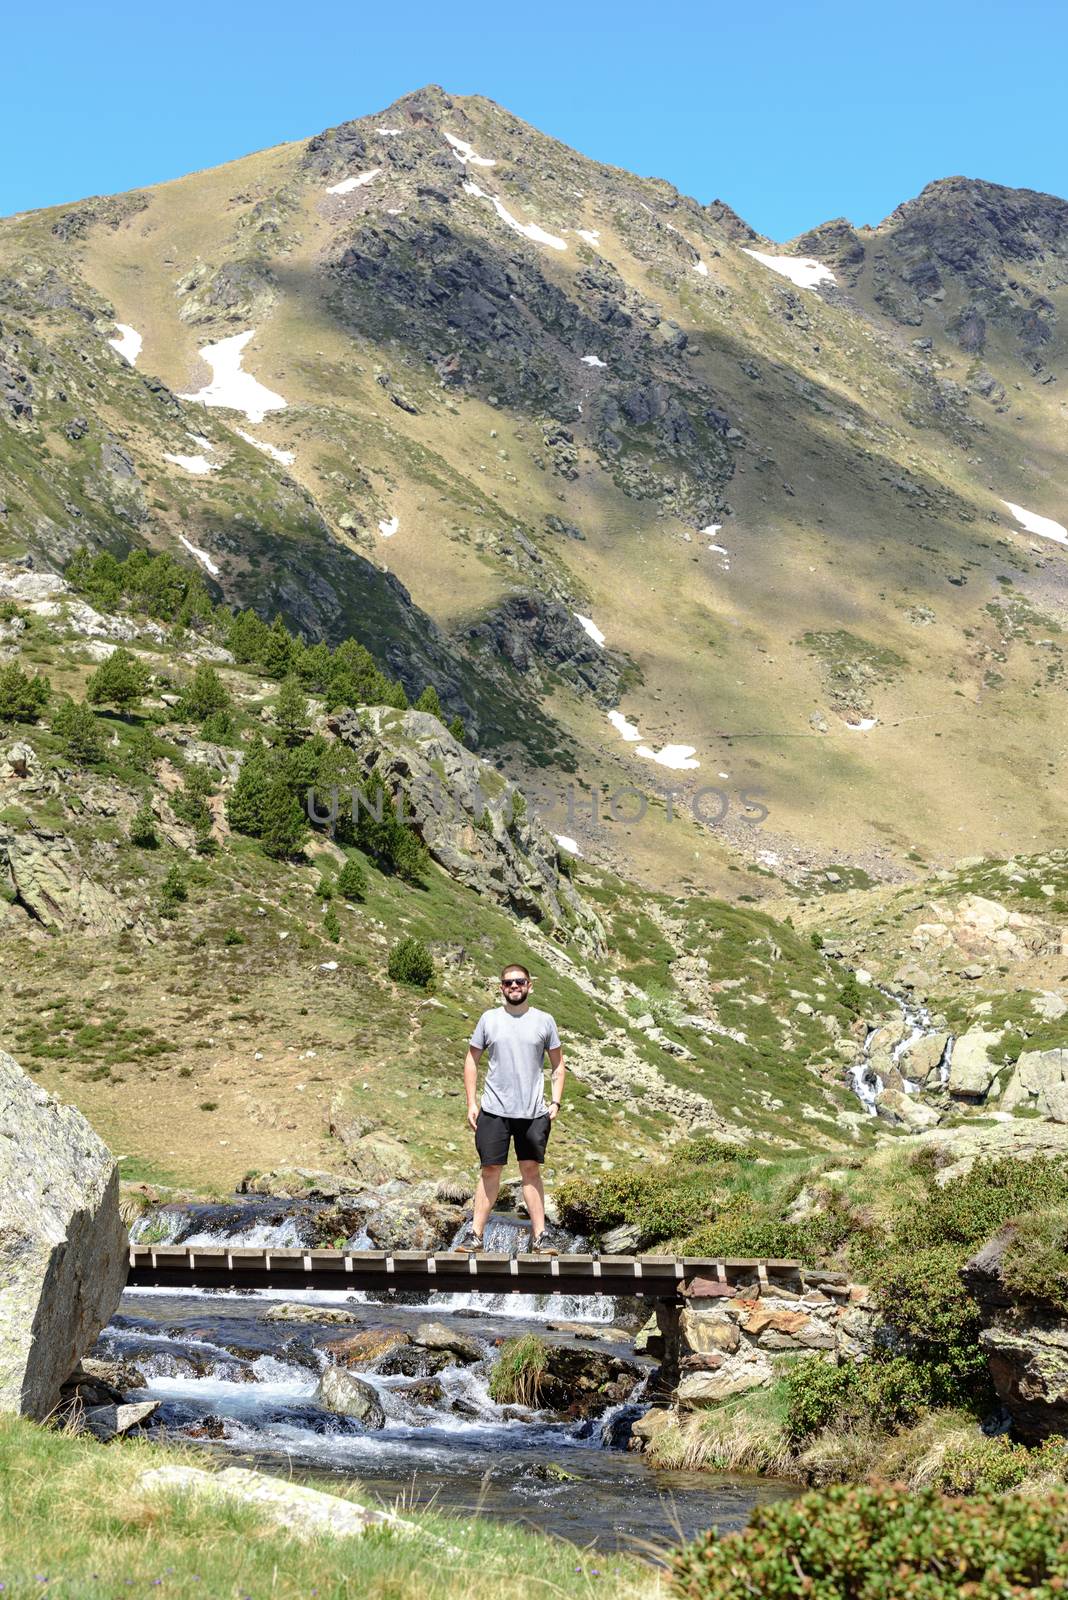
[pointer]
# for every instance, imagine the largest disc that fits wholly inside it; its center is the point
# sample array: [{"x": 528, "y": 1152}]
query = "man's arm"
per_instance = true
[
  {"x": 556, "y": 1058},
  {"x": 471, "y": 1083}
]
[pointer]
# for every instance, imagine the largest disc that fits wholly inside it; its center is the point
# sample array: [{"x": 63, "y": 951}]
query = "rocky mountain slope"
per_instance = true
[{"x": 651, "y": 500}]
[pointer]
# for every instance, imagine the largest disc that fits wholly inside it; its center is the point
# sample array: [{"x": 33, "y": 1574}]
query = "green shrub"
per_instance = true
[
  {"x": 410, "y": 962},
  {"x": 78, "y": 733},
  {"x": 980, "y": 1465},
  {"x": 884, "y": 1543},
  {"x": 219, "y": 727},
  {"x": 173, "y": 892},
  {"x": 884, "y": 1393},
  {"x": 922, "y": 1298},
  {"x": 352, "y": 880},
  {"x": 120, "y": 681},
  {"x": 1034, "y": 1265},
  {"x": 331, "y": 925},
  {"x": 205, "y": 695},
  {"x": 291, "y": 711},
  {"x": 233, "y": 936},
  {"x": 428, "y": 701},
  {"x": 143, "y": 827},
  {"x": 324, "y": 888},
  {"x": 22, "y": 697},
  {"x": 457, "y": 729}
]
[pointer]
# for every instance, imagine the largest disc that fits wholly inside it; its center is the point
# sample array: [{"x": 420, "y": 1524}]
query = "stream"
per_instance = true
[
  {"x": 239, "y": 1384},
  {"x": 865, "y": 1078}
]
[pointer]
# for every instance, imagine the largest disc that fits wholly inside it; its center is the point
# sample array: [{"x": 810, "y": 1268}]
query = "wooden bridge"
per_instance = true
[{"x": 670, "y": 1278}]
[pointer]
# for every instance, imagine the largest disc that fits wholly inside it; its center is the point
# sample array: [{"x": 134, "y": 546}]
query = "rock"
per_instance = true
[
  {"x": 1048, "y": 1005},
  {"x": 648, "y": 1427},
  {"x": 1039, "y": 1080},
  {"x": 107, "y": 1422},
  {"x": 621, "y": 1240},
  {"x": 1026, "y": 1345},
  {"x": 583, "y": 1383},
  {"x": 704, "y": 1332},
  {"x": 63, "y": 1244},
  {"x": 922, "y": 1059},
  {"x": 295, "y": 1311},
  {"x": 734, "y": 1377},
  {"x": 378, "y": 1156},
  {"x": 366, "y": 1348},
  {"x": 971, "y": 1072},
  {"x": 349, "y": 1396},
  {"x": 309, "y": 1513},
  {"x": 476, "y": 827},
  {"x": 437, "y": 1336},
  {"x": 44, "y": 875}
]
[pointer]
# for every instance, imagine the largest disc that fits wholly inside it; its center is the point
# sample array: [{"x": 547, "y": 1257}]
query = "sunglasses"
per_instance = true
[{"x": 514, "y": 983}]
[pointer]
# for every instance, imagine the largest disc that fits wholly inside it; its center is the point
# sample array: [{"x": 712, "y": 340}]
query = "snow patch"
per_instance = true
[
  {"x": 593, "y": 361},
  {"x": 1045, "y": 527},
  {"x": 128, "y": 344},
  {"x": 388, "y": 529},
  {"x": 465, "y": 154},
  {"x": 285, "y": 458},
  {"x": 197, "y": 465},
  {"x": 205, "y": 444},
  {"x": 567, "y": 844},
  {"x": 591, "y": 628},
  {"x": 201, "y": 555},
  {"x": 700, "y": 267},
  {"x": 803, "y": 271},
  {"x": 529, "y": 230},
  {"x": 862, "y": 724},
  {"x": 591, "y": 235},
  {"x": 622, "y": 726},
  {"x": 389, "y": 133},
  {"x": 680, "y": 757},
  {"x": 229, "y": 386},
  {"x": 347, "y": 185}
]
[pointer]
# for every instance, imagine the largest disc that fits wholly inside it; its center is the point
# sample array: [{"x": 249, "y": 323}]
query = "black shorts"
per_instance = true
[{"x": 529, "y": 1134}]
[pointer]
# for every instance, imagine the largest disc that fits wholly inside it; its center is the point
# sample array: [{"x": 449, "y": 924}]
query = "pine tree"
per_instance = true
[
  {"x": 143, "y": 827},
  {"x": 277, "y": 650},
  {"x": 457, "y": 729},
  {"x": 204, "y": 695},
  {"x": 410, "y": 962},
  {"x": 352, "y": 880},
  {"x": 285, "y": 826},
  {"x": 246, "y": 637},
  {"x": 331, "y": 925},
  {"x": 247, "y": 799},
  {"x": 119, "y": 681},
  {"x": 173, "y": 892},
  {"x": 22, "y": 698},
  {"x": 428, "y": 701},
  {"x": 78, "y": 732},
  {"x": 291, "y": 711}
]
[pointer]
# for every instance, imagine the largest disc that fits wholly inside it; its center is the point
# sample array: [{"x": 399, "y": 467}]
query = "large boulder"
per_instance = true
[
  {"x": 1039, "y": 1081},
  {"x": 63, "y": 1244},
  {"x": 349, "y": 1396},
  {"x": 971, "y": 1071}
]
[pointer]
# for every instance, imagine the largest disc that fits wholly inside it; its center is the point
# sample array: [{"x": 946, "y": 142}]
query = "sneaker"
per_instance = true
[
  {"x": 540, "y": 1246},
  {"x": 473, "y": 1245}
]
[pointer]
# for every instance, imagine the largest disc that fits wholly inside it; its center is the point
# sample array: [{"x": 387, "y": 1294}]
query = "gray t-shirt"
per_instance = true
[{"x": 515, "y": 1081}]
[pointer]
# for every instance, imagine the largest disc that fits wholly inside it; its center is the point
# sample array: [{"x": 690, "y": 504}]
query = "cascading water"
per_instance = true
[
  {"x": 865, "y": 1080},
  {"x": 229, "y": 1378}
]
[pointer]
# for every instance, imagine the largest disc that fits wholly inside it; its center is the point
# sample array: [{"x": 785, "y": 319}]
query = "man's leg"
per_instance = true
[
  {"x": 489, "y": 1181},
  {"x": 533, "y": 1194}
]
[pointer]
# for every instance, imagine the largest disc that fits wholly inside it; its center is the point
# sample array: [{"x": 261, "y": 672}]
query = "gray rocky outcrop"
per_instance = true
[
  {"x": 63, "y": 1244},
  {"x": 473, "y": 822},
  {"x": 971, "y": 1070},
  {"x": 539, "y": 634},
  {"x": 1026, "y": 1345},
  {"x": 42, "y": 872}
]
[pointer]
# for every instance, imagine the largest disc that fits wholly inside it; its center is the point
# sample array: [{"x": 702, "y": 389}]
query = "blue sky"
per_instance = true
[{"x": 792, "y": 113}]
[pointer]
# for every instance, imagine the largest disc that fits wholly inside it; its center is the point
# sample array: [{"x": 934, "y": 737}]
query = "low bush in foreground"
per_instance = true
[{"x": 881, "y": 1543}]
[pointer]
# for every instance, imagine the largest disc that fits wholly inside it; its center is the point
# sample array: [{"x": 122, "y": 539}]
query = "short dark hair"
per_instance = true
[{"x": 515, "y": 966}]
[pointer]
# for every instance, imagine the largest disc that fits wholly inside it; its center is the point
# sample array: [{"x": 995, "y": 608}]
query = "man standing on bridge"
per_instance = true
[{"x": 517, "y": 1036}]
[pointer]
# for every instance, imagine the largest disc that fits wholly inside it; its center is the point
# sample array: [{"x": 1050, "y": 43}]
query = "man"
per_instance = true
[{"x": 517, "y": 1036}]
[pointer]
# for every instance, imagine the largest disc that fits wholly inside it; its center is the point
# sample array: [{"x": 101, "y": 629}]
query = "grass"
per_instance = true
[
  {"x": 74, "y": 1524},
  {"x": 519, "y": 1371}
]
